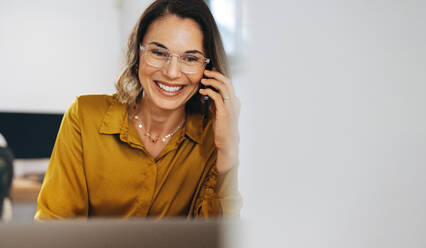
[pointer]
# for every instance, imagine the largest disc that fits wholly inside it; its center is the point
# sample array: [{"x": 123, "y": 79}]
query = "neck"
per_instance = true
[{"x": 158, "y": 121}]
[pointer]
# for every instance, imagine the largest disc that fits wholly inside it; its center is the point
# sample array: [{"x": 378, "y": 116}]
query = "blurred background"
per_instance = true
[
  {"x": 333, "y": 121},
  {"x": 51, "y": 52}
]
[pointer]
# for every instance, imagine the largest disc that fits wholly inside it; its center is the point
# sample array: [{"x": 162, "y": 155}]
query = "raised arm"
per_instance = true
[{"x": 219, "y": 195}]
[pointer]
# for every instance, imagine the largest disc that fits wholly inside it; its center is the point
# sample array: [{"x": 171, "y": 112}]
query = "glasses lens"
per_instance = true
[
  {"x": 156, "y": 56},
  {"x": 192, "y": 63}
]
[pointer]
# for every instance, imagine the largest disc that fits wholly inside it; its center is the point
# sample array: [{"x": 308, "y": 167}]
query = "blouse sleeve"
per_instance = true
[
  {"x": 219, "y": 195},
  {"x": 64, "y": 191}
]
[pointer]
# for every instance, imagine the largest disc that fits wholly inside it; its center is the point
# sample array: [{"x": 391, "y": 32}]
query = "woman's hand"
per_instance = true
[{"x": 225, "y": 122}]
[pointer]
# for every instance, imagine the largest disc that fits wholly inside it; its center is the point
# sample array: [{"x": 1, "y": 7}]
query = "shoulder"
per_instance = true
[
  {"x": 200, "y": 129},
  {"x": 91, "y": 108},
  {"x": 95, "y": 101},
  {"x": 92, "y": 104}
]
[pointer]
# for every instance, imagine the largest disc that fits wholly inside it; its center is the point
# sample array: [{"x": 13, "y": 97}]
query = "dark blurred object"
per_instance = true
[
  {"x": 30, "y": 135},
  {"x": 6, "y": 174}
]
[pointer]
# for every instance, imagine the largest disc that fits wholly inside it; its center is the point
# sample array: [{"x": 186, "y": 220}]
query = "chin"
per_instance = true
[{"x": 169, "y": 105}]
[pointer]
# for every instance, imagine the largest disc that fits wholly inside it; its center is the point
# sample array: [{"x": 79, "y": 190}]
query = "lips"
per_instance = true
[{"x": 169, "y": 89}]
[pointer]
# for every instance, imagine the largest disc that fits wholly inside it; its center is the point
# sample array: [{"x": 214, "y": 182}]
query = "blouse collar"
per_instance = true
[{"x": 115, "y": 121}]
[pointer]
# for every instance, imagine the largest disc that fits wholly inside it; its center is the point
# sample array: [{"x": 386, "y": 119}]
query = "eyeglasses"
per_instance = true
[{"x": 157, "y": 57}]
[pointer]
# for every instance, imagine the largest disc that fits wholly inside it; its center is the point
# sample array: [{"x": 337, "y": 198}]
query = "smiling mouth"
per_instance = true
[{"x": 169, "y": 90}]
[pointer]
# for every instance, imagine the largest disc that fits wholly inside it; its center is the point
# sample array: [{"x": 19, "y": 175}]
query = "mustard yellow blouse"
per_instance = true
[{"x": 99, "y": 167}]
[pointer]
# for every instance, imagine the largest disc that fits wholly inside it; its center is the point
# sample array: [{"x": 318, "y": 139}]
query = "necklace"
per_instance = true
[{"x": 154, "y": 138}]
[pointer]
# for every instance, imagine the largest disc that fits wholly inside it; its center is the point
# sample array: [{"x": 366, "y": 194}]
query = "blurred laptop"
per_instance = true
[{"x": 113, "y": 233}]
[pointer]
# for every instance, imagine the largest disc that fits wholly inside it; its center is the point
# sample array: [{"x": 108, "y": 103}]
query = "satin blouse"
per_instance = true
[{"x": 100, "y": 168}]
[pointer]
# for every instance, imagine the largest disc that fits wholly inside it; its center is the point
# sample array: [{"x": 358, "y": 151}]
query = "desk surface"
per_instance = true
[
  {"x": 24, "y": 189},
  {"x": 26, "y": 182}
]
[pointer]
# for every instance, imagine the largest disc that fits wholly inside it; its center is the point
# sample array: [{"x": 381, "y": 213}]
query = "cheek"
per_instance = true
[
  {"x": 145, "y": 72},
  {"x": 195, "y": 82},
  {"x": 195, "y": 79}
]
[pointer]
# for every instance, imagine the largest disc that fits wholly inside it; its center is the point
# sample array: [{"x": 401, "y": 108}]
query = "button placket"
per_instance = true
[{"x": 147, "y": 189}]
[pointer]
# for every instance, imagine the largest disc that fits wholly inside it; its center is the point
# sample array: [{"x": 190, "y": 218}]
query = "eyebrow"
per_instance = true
[{"x": 163, "y": 46}]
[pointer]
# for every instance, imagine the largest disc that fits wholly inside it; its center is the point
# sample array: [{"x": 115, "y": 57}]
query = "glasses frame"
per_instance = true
[{"x": 205, "y": 62}]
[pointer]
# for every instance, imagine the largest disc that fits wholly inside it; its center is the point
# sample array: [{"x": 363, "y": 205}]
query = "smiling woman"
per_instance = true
[
  {"x": 157, "y": 147},
  {"x": 165, "y": 85}
]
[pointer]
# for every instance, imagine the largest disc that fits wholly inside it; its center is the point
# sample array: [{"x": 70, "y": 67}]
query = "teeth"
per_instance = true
[{"x": 168, "y": 88}]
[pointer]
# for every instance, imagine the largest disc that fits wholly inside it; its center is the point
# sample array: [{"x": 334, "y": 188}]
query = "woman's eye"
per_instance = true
[
  {"x": 159, "y": 53},
  {"x": 191, "y": 59}
]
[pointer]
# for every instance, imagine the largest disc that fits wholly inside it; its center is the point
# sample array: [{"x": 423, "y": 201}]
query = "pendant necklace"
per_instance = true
[{"x": 155, "y": 138}]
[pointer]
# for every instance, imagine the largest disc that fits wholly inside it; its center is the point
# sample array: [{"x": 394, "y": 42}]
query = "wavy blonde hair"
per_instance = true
[{"x": 128, "y": 86}]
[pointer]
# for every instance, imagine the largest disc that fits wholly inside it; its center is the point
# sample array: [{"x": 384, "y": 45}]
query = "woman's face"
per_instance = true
[{"x": 168, "y": 87}]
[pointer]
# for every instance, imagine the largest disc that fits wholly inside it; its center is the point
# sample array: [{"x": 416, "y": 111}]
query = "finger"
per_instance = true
[
  {"x": 217, "y": 98},
  {"x": 221, "y": 79},
  {"x": 219, "y": 76},
  {"x": 221, "y": 87}
]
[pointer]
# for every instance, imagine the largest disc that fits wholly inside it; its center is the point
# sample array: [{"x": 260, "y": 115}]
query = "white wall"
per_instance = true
[
  {"x": 130, "y": 13},
  {"x": 52, "y": 51},
  {"x": 335, "y": 116}
]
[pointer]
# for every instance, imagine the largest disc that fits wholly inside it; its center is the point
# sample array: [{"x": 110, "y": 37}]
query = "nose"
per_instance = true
[{"x": 172, "y": 68}]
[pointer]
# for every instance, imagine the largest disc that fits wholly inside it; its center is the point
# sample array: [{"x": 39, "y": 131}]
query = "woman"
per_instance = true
[{"x": 157, "y": 147}]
